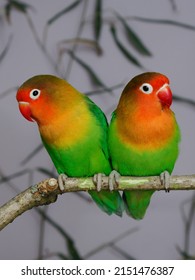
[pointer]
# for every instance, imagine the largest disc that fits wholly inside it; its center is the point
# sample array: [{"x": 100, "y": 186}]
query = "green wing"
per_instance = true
[
  {"x": 101, "y": 119},
  {"x": 109, "y": 202}
]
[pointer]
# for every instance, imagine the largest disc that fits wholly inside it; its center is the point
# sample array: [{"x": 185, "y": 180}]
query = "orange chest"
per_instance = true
[
  {"x": 67, "y": 129},
  {"x": 147, "y": 132}
]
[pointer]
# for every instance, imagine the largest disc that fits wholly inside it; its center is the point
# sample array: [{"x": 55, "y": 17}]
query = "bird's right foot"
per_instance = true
[
  {"x": 165, "y": 180},
  {"x": 62, "y": 181}
]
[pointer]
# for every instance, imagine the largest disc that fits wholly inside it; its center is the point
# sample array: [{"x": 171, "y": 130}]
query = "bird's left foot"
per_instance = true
[
  {"x": 165, "y": 180},
  {"x": 113, "y": 179},
  {"x": 62, "y": 181},
  {"x": 97, "y": 179}
]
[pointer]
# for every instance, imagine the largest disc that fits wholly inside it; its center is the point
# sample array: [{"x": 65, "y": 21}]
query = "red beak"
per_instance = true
[
  {"x": 25, "y": 110},
  {"x": 165, "y": 95}
]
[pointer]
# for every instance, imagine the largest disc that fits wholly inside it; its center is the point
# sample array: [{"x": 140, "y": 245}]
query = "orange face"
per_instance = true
[
  {"x": 35, "y": 105},
  {"x": 148, "y": 89},
  {"x": 25, "y": 99},
  {"x": 58, "y": 108},
  {"x": 43, "y": 97}
]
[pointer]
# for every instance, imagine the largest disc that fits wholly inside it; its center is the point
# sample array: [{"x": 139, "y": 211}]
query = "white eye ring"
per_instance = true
[
  {"x": 146, "y": 88},
  {"x": 35, "y": 93}
]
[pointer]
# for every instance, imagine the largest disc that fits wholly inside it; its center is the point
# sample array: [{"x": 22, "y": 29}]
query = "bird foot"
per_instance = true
[
  {"x": 113, "y": 179},
  {"x": 97, "y": 179},
  {"x": 165, "y": 180},
  {"x": 62, "y": 181}
]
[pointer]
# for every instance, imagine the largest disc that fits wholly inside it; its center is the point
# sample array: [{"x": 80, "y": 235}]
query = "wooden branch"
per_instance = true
[{"x": 46, "y": 192}]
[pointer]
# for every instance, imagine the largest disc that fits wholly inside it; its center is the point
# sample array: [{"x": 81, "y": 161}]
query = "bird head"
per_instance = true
[
  {"x": 149, "y": 90},
  {"x": 42, "y": 97}
]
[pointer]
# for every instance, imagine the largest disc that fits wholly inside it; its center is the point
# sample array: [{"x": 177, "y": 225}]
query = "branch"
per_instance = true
[{"x": 46, "y": 192}]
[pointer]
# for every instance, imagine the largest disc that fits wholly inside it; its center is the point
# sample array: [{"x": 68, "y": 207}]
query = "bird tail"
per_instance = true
[
  {"x": 109, "y": 202},
  {"x": 137, "y": 202}
]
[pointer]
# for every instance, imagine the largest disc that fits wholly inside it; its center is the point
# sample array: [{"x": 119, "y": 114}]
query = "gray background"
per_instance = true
[{"x": 158, "y": 234}]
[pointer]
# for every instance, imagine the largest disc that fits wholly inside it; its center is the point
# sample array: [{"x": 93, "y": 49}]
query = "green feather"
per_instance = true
[
  {"x": 137, "y": 203},
  {"x": 102, "y": 122}
]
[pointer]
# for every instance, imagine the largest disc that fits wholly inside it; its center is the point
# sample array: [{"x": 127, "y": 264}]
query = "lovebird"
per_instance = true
[
  {"x": 144, "y": 136},
  {"x": 73, "y": 130}
]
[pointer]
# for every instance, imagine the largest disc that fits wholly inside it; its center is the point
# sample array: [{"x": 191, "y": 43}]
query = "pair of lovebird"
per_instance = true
[{"x": 142, "y": 139}]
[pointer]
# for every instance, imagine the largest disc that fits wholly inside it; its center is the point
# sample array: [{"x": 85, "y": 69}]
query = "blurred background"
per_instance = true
[{"x": 98, "y": 46}]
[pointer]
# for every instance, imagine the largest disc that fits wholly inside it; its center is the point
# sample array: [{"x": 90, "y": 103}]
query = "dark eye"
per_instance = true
[
  {"x": 35, "y": 93},
  {"x": 146, "y": 88}
]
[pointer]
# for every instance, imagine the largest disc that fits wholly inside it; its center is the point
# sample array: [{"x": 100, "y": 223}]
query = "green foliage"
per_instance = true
[
  {"x": 122, "y": 48},
  {"x": 15, "y": 5},
  {"x": 92, "y": 75},
  {"x": 164, "y": 22},
  {"x": 5, "y": 50},
  {"x": 133, "y": 38},
  {"x": 63, "y": 12},
  {"x": 98, "y": 19}
]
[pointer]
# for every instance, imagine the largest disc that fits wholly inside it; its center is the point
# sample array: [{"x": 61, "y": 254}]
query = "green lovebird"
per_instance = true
[
  {"x": 144, "y": 135},
  {"x": 73, "y": 130}
]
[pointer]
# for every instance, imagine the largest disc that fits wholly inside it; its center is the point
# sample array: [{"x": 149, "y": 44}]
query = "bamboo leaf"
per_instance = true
[
  {"x": 123, "y": 50},
  {"x": 20, "y": 6},
  {"x": 165, "y": 21},
  {"x": 4, "y": 52},
  {"x": 133, "y": 38},
  {"x": 63, "y": 12},
  {"x": 184, "y": 254},
  {"x": 93, "y": 76},
  {"x": 98, "y": 19}
]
